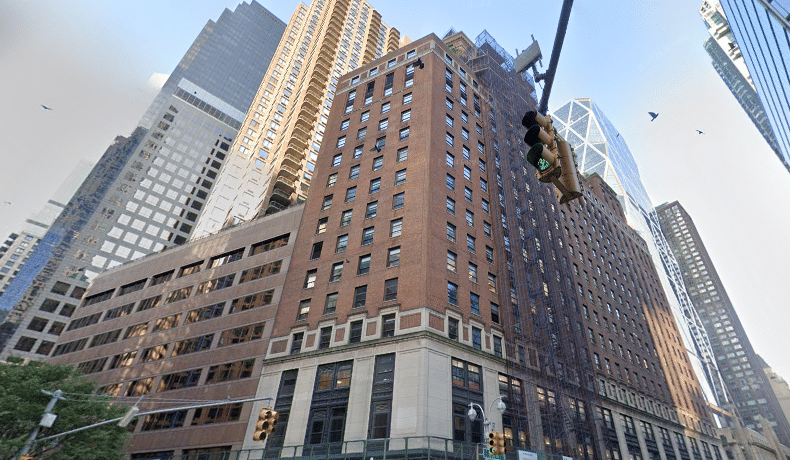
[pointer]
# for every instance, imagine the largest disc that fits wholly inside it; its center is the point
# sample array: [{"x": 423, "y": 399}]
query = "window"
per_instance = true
[
  {"x": 449, "y": 103},
  {"x": 364, "y": 116},
  {"x": 406, "y": 98},
  {"x": 403, "y": 154},
  {"x": 403, "y": 134},
  {"x": 304, "y": 309},
  {"x": 316, "y": 251},
  {"x": 337, "y": 272},
  {"x": 383, "y": 124},
  {"x": 477, "y": 341},
  {"x": 396, "y": 226},
  {"x": 309, "y": 279},
  {"x": 342, "y": 243},
  {"x": 336, "y": 160},
  {"x": 484, "y": 204},
  {"x": 360, "y": 293},
  {"x": 474, "y": 302},
  {"x": 327, "y": 203},
  {"x": 483, "y": 185},
  {"x": 400, "y": 177},
  {"x": 449, "y": 139},
  {"x": 452, "y": 261},
  {"x": 385, "y": 107},
  {"x": 363, "y": 268},
  {"x": 397, "y": 200},
  {"x": 378, "y": 163},
  {"x": 452, "y": 328},
  {"x": 393, "y": 257},
  {"x": 465, "y": 149},
  {"x": 362, "y": 133},
  {"x": 388, "y": 325},
  {"x": 341, "y": 141},
  {"x": 449, "y": 159},
  {"x": 405, "y": 116},
  {"x": 450, "y": 181},
  {"x": 358, "y": 152},
  {"x": 472, "y": 272},
  {"x": 498, "y": 346},
  {"x": 470, "y": 243},
  {"x": 353, "y": 172},
  {"x": 481, "y": 147},
  {"x": 468, "y": 194},
  {"x": 367, "y": 236},
  {"x": 470, "y": 218},
  {"x": 351, "y": 193},
  {"x": 371, "y": 210},
  {"x": 494, "y": 312},
  {"x": 355, "y": 333},
  {"x": 452, "y": 293},
  {"x": 388, "y": 79},
  {"x": 375, "y": 185},
  {"x": 450, "y": 205},
  {"x": 344, "y": 124},
  {"x": 345, "y": 218},
  {"x": 451, "y": 232},
  {"x": 467, "y": 173},
  {"x": 391, "y": 291},
  {"x": 492, "y": 282},
  {"x": 464, "y": 116},
  {"x": 487, "y": 229},
  {"x": 482, "y": 165},
  {"x": 330, "y": 182},
  {"x": 465, "y": 134}
]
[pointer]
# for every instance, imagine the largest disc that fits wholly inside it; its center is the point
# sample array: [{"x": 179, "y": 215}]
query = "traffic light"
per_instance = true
[
  {"x": 543, "y": 146},
  {"x": 552, "y": 156},
  {"x": 267, "y": 419},
  {"x": 496, "y": 443}
]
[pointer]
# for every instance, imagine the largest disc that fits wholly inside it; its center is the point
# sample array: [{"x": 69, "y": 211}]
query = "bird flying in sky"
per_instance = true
[
  {"x": 653, "y": 115},
  {"x": 45, "y": 107},
  {"x": 700, "y": 132}
]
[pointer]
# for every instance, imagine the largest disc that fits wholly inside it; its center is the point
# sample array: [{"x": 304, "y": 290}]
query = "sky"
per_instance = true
[{"x": 97, "y": 64}]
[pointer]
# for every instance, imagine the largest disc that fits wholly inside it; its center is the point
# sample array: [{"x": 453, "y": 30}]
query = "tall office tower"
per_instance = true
[
  {"x": 271, "y": 162},
  {"x": 728, "y": 61},
  {"x": 19, "y": 246},
  {"x": 146, "y": 191},
  {"x": 190, "y": 324},
  {"x": 761, "y": 31},
  {"x": 601, "y": 149},
  {"x": 740, "y": 366}
]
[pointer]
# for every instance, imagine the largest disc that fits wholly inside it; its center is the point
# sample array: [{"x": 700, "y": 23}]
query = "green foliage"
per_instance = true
[{"x": 22, "y": 403}]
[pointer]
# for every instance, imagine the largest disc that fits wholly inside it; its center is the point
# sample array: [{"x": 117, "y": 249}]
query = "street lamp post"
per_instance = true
[{"x": 488, "y": 425}]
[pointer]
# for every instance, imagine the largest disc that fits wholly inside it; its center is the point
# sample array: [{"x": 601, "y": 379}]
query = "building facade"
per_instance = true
[
  {"x": 762, "y": 33},
  {"x": 600, "y": 149},
  {"x": 272, "y": 161},
  {"x": 742, "y": 369},
  {"x": 728, "y": 61},
  {"x": 402, "y": 309},
  {"x": 188, "y": 324},
  {"x": 146, "y": 192}
]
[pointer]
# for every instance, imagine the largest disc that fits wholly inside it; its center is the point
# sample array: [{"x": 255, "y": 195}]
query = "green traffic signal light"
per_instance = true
[{"x": 536, "y": 158}]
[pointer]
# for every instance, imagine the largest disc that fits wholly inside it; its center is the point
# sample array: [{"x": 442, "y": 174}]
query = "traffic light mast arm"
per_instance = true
[
  {"x": 555, "y": 55},
  {"x": 157, "y": 411}
]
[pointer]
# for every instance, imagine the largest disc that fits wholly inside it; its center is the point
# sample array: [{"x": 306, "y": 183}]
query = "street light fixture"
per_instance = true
[{"x": 501, "y": 407}]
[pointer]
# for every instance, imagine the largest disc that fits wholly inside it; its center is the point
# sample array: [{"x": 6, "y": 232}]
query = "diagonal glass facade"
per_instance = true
[{"x": 601, "y": 149}]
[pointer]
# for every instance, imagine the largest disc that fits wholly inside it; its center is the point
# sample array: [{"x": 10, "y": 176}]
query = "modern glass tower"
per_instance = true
[
  {"x": 740, "y": 366},
  {"x": 601, "y": 149},
  {"x": 762, "y": 32},
  {"x": 147, "y": 190},
  {"x": 727, "y": 59}
]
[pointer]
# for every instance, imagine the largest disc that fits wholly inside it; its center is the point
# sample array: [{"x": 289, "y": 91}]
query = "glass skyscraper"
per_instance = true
[
  {"x": 147, "y": 190},
  {"x": 762, "y": 32},
  {"x": 601, "y": 149}
]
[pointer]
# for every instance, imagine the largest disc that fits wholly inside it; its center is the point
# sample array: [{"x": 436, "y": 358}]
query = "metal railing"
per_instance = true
[{"x": 408, "y": 448}]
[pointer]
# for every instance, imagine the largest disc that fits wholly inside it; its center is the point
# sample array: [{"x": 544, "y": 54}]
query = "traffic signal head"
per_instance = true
[
  {"x": 543, "y": 147},
  {"x": 568, "y": 182},
  {"x": 267, "y": 419},
  {"x": 496, "y": 443}
]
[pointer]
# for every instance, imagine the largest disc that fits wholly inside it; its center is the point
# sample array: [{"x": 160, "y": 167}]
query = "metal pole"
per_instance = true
[
  {"x": 555, "y": 55},
  {"x": 30, "y": 439}
]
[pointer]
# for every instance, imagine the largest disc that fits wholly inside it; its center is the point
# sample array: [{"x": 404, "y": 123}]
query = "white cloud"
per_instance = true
[{"x": 157, "y": 80}]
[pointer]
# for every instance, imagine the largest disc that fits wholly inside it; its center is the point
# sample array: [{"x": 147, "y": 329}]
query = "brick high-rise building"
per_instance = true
[
  {"x": 742, "y": 369},
  {"x": 271, "y": 162}
]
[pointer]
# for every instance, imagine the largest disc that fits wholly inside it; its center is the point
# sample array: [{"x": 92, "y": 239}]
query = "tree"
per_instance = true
[{"x": 22, "y": 403}]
